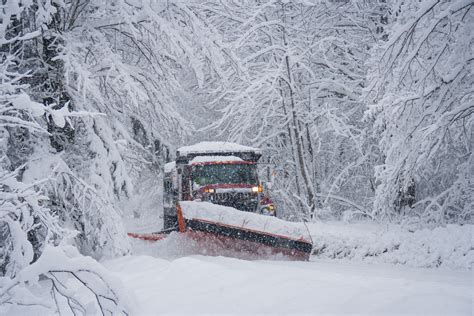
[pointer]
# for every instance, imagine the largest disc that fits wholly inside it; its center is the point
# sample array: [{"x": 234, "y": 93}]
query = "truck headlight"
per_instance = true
[{"x": 257, "y": 189}]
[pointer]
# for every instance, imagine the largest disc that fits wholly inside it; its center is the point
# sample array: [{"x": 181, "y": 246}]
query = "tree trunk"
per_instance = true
[{"x": 299, "y": 159}]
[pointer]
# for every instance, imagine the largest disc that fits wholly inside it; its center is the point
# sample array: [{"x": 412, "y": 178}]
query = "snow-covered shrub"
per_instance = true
[
  {"x": 24, "y": 223},
  {"x": 447, "y": 247},
  {"x": 79, "y": 206},
  {"x": 23, "y": 219}
]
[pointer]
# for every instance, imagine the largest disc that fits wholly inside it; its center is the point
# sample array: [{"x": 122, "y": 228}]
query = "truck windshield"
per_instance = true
[{"x": 225, "y": 174}]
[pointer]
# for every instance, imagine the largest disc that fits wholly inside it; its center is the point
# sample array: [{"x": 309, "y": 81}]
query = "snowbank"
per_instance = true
[
  {"x": 250, "y": 221},
  {"x": 215, "y": 147},
  {"x": 447, "y": 247}
]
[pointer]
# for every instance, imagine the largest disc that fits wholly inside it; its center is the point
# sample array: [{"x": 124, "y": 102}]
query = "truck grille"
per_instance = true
[
  {"x": 231, "y": 196},
  {"x": 240, "y": 200}
]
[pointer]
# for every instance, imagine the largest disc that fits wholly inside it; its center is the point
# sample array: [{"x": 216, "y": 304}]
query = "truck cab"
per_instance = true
[{"x": 217, "y": 172}]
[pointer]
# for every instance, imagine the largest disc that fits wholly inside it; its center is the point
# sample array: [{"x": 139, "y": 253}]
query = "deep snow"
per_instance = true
[{"x": 220, "y": 285}]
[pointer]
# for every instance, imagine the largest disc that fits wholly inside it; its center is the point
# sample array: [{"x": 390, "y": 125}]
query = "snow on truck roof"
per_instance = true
[
  {"x": 206, "y": 159},
  {"x": 215, "y": 147}
]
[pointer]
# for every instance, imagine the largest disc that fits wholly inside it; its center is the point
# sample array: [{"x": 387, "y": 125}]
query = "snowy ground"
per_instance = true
[
  {"x": 219, "y": 285},
  {"x": 167, "y": 278}
]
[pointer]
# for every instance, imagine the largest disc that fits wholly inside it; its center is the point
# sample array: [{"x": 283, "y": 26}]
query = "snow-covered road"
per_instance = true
[{"x": 219, "y": 285}]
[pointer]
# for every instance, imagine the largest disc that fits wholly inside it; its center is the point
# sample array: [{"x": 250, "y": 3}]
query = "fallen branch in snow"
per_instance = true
[{"x": 79, "y": 285}]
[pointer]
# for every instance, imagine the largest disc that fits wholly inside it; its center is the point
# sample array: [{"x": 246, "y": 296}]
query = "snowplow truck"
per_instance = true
[
  {"x": 217, "y": 172},
  {"x": 213, "y": 198}
]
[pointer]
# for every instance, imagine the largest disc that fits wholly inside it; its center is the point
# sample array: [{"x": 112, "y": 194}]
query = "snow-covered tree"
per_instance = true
[
  {"x": 89, "y": 100},
  {"x": 29, "y": 228},
  {"x": 422, "y": 106},
  {"x": 296, "y": 80}
]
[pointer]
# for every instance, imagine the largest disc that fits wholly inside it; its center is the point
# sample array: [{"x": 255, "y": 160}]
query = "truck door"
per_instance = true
[{"x": 186, "y": 183}]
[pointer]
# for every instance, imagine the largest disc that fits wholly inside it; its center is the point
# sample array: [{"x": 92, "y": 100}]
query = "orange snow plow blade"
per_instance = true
[{"x": 220, "y": 230}]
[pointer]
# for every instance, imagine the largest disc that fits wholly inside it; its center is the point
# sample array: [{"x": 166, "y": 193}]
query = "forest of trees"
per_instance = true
[{"x": 364, "y": 110}]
